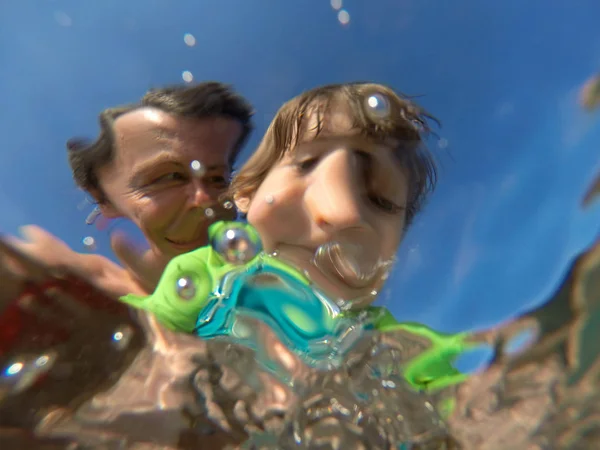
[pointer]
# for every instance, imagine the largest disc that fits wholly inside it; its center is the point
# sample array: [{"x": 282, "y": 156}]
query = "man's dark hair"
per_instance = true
[{"x": 208, "y": 99}]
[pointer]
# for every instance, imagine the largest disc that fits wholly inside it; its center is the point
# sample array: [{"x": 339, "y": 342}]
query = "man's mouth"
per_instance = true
[{"x": 188, "y": 243}]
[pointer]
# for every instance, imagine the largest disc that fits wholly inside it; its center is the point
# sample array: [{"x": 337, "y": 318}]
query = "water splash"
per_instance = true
[{"x": 95, "y": 392}]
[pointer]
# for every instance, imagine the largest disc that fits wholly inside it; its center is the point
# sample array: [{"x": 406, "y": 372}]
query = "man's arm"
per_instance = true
[{"x": 53, "y": 253}]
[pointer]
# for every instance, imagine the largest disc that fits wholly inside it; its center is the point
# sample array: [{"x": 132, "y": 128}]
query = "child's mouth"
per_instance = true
[
  {"x": 345, "y": 269},
  {"x": 347, "y": 263},
  {"x": 356, "y": 264}
]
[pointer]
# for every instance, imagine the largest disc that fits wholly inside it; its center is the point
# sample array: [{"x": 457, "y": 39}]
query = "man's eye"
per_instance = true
[
  {"x": 173, "y": 176},
  {"x": 217, "y": 180},
  {"x": 384, "y": 204}
]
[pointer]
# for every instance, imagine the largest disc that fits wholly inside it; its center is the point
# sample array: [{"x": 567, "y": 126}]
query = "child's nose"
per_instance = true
[{"x": 334, "y": 197}]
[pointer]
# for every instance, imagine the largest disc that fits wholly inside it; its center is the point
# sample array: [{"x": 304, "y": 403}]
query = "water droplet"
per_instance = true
[
  {"x": 418, "y": 124},
  {"x": 187, "y": 76},
  {"x": 344, "y": 17},
  {"x": 24, "y": 371},
  {"x": 228, "y": 205},
  {"x": 236, "y": 245},
  {"x": 198, "y": 168},
  {"x": 388, "y": 384},
  {"x": 186, "y": 289},
  {"x": 14, "y": 368},
  {"x": 189, "y": 39},
  {"x": 93, "y": 216},
  {"x": 42, "y": 361},
  {"x": 336, "y": 4},
  {"x": 208, "y": 212},
  {"x": 443, "y": 143},
  {"x": 89, "y": 243},
  {"x": 122, "y": 337},
  {"x": 378, "y": 106},
  {"x": 520, "y": 340},
  {"x": 84, "y": 203}
]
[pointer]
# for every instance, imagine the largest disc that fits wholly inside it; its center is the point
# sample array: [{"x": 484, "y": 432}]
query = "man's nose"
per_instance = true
[
  {"x": 335, "y": 195},
  {"x": 198, "y": 194}
]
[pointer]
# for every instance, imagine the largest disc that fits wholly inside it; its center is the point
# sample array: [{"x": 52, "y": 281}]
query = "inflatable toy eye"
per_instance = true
[{"x": 186, "y": 289}]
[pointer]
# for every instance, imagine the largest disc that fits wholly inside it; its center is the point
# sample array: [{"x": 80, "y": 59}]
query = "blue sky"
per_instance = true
[{"x": 502, "y": 77}]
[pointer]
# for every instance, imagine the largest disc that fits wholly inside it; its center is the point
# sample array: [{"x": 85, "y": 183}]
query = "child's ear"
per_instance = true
[{"x": 242, "y": 203}]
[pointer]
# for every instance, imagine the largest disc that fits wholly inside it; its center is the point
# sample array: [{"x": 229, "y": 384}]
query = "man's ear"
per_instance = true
[{"x": 106, "y": 207}]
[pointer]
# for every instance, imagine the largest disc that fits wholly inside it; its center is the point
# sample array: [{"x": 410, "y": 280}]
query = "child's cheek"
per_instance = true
[{"x": 260, "y": 217}]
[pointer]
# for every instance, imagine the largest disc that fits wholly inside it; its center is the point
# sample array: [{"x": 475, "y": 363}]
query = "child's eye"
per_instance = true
[
  {"x": 384, "y": 204},
  {"x": 307, "y": 164}
]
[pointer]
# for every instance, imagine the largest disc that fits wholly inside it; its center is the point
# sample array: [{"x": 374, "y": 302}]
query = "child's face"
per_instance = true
[{"x": 337, "y": 187}]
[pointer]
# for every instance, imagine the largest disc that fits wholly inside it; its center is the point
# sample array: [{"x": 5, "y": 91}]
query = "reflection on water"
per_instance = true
[{"x": 79, "y": 367}]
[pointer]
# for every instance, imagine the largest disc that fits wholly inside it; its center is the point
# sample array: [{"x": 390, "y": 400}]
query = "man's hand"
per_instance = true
[
  {"x": 144, "y": 266},
  {"x": 53, "y": 253}
]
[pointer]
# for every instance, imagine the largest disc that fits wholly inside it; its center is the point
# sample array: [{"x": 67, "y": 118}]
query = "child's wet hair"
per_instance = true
[{"x": 377, "y": 112}]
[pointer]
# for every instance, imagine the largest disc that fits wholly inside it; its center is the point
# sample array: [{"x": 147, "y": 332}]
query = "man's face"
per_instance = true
[{"x": 152, "y": 180}]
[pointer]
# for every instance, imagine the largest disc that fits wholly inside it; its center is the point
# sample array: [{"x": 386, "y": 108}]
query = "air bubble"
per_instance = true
[
  {"x": 209, "y": 212},
  {"x": 187, "y": 76},
  {"x": 443, "y": 143},
  {"x": 14, "y": 369},
  {"x": 378, "y": 106},
  {"x": 24, "y": 371},
  {"x": 336, "y": 4},
  {"x": 42, "y": 361},
  {"x": 348, "y": 260},
  {"x": 89, "y": 243},
  {"x": 520, "y": 341},
  {"x": 235, "y": 245},
  {"x": 228, "y": 205},
  {"x": 122, "y": 337},
  {"x": 93, "y": 216},
  {"x": 388, "y": 384},
  {"x": 198, "y": 168},
  {"x": 186, "y": 289},
  {"x": 344, "y": 17},
  {"x": 189, "y": 39},
  {"x": 419, "y": 125}
]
